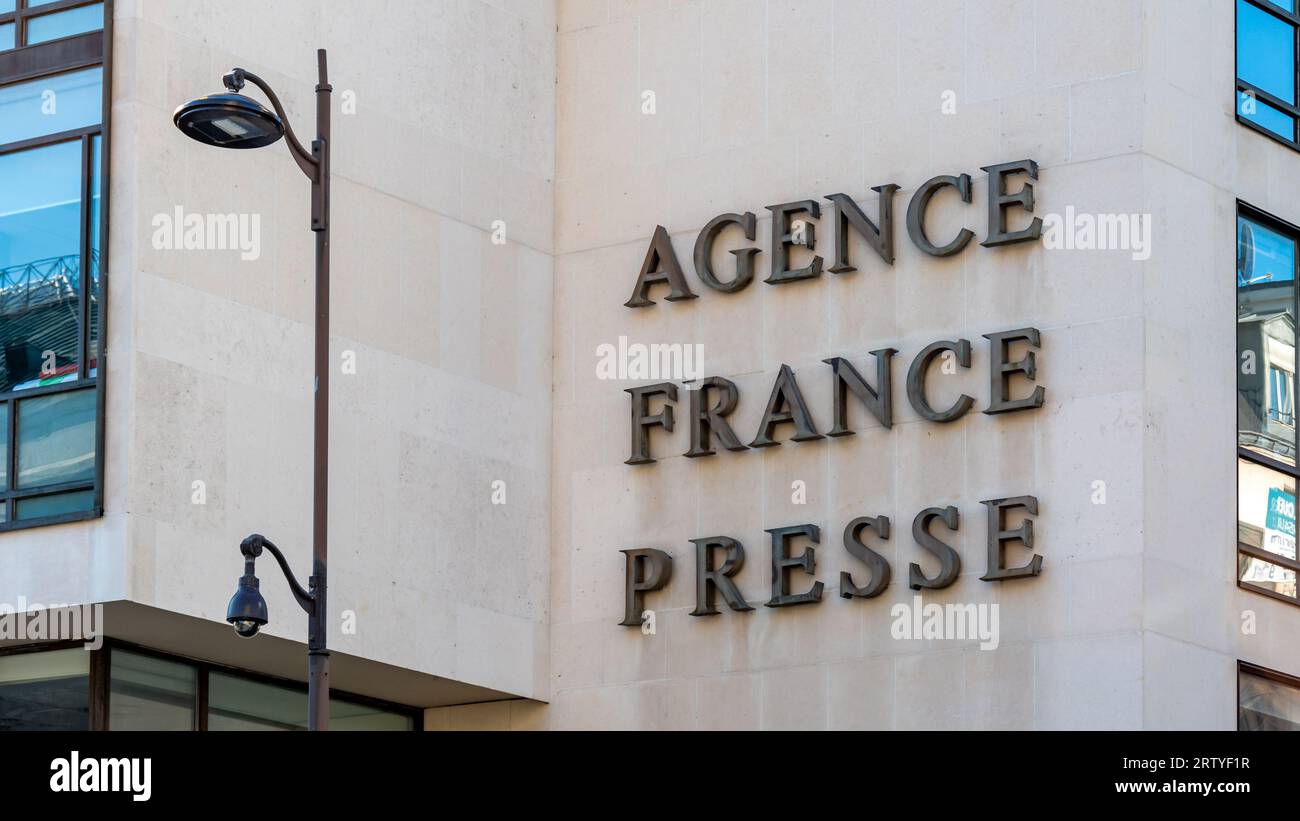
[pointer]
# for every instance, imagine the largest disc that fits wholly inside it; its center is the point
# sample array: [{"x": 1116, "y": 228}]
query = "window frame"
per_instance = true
[
  {"x": 1281, "y": 405},
  {"x": 101, "y": 680},
  {"x": 1250, "y": 212},
  {"x": 22, "y": 13},
  {"x": 25, "y": 63},
  {"x": 1240, "y": 85}
]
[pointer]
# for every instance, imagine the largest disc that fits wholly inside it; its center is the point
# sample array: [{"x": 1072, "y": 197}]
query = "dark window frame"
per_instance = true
[
  {"x": 1260, "y": 94},
  {"x": 24, "y": 63},
  {"x": 22, "y": 13},
  {"x": 101, "y": 679},
  {"x": 1250, "y": 212},
  {"x": 1276, "y": 676}
]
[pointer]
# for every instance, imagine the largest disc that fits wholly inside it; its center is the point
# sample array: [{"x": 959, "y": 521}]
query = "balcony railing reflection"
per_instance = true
[{"x": 42, "y": 282}]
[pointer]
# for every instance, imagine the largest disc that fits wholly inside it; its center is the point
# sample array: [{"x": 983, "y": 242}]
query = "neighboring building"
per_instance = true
[{"x": 528, "y": 271}]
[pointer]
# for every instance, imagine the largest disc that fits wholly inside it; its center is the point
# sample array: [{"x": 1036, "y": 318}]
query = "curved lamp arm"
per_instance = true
[
  {"x": 252, "y": 548},
  {"x": 235, "y": 82}
]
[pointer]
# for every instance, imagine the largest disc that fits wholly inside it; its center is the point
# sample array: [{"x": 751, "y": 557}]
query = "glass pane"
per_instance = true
[
  {"x": 236, "y": 703},
  {"x": 1265, "y": 51},
  {"x": 31, "y": 4},
  {"x": 1265, "y": 704},
  {"x": 148, "y": 693},
  {"x": 1287, "y": 5},
  {"x": 1266, "y": 514},
  {"x": 65, "y": 23},
  {"x": 1266, "y": 298},
  {"x": 51, "y": 104},
  {"x": 242, "y": 704},
  {"x": 45, "y": 691},
  {"x": 96, "y": 178},
  {"x": 56, "y": 439},
  {"x": 6, "y": 36},
  {"x": 40, "y": 507},
  {"x": 350, "y": 715},
  {"x": 4, "y": 449},
  {"x": 1269, "y": 576},
  {"x": 1266, "y": 116},
  {"x": 40, "y": 260},
  {"x": 6, "y": 6}
]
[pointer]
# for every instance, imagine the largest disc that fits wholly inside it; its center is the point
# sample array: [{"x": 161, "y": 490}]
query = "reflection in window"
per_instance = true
[
  {"x": 1266, "y": 529},
  {"x": 51, "y": 690},
  {"x": 1265, "y": 51},
  {"x": 51, "y": 105},
  {"x": 45, "y": 691},
  {"x": 1265, "y": 702},
  {"x": 241, "y": 704},
  {"x": 56, "y": 504},
  {"x": 236, "y": 703},
  {"x": 56, "y": 439},
  {"x": 50, "y": 254},
  {"x": 1262, "y": 114},
  {"x": 59, "y": 24},
  {"x": 96, "y": 181},
  {"x": 352, "y": 715},
  {"x": 1266, "y": 66},
  {"x": 1266, "y": 306},
  {"x": 4, "y": 450},
  {"x": 40, "y": 265},
  {"x": 1280, "y": 380},
  {"x": 149, "y": 693}
]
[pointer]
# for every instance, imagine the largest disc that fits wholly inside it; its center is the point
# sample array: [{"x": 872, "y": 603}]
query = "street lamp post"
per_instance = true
[{"x": 234, "y": 121}]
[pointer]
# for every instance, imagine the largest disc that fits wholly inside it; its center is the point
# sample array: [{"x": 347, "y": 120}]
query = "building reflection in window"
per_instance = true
[
  {"x": 1266, "y": 388},
  {"x": 1266, "y": 528},
  {"x": 1266, "y": 299},
  {"x": 51, "y": 191},
  {"x": 1266, "y": 700}
]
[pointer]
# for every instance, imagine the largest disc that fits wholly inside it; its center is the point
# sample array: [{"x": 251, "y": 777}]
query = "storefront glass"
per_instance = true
[
  {"x": 45, "y": 691},
  {"x": 1265, "y": 702},
  {"x": 150, "y": 693}
]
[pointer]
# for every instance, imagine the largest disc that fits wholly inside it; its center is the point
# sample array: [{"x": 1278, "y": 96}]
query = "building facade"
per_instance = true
[{"x": 717, "y": 364}]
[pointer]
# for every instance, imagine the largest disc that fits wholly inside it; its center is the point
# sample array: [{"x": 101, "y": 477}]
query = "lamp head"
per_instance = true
[{"x": 229, "y": 120}]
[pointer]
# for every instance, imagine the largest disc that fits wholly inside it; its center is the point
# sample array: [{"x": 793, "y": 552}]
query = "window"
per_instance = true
[
  {"x": 1267, "y": 66},
  {"x": 122, "y": 687},
  {"x": 35, "y": 22},
  {"x": 56, "y": 25},
  {"x": 236, "y": 703},
  {"x": 1267, "y": 255},
  {"x": 1266, "y": 699},
  {"x": 1280, "y": 380},
  {"x": 53, "y": 101},
  {"x": 45, "y": 691},
  {"x": 152, "y": 693}
]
